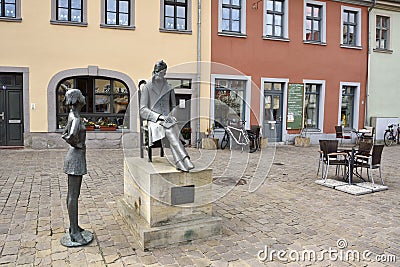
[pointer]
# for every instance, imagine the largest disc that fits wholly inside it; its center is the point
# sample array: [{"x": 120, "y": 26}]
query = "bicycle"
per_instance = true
[
  {"x": 244, "y": 137},
  {"x": 391, "y": 135}
]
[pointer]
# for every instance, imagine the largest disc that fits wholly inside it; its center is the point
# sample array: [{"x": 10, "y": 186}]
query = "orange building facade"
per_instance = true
[{"x": 318, "y": 48}]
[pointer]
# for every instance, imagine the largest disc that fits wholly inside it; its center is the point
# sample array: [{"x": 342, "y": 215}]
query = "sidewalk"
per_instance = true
[{"x": 289, "y": 212}]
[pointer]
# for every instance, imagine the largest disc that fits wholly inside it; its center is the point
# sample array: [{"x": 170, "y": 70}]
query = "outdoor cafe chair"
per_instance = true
[
  {"x": 340, "y": 134},
  {"x": 370, "y": 161},
  {"x": 332, "y": 157}
]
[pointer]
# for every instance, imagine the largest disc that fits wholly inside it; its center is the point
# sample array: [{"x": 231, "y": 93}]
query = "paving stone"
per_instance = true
[{"x": 288, "y": 212}]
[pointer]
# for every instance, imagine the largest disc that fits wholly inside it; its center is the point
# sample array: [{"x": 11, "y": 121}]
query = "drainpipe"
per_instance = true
[
  {"x": 198, "y": 66},
  {"x": 366, "y": 122}
]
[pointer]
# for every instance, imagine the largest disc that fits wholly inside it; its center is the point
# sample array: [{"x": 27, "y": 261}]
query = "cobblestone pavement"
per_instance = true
[{"x": 289, "y": 213}]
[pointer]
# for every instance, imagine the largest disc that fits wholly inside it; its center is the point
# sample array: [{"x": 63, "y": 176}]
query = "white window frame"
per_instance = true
[
  {"x": 242, "y": 20},
  {"x": 358, "y": 29},
  {"x": 356, "y": 111},
  {"x": 188, "y": 18},
  {"x": 285, "y": 21},
  {"x": 321, "y": 107},
  {"x": 247, "y": 95},
  {"x": 389, "y": 48},
  {"x": 285, "y": 81},
  {"x": 323, "y": 26},
  {"x": 61, "y": 22},
  {"x": 103, "y": 23},
  {"x": 17, "y": 13}
]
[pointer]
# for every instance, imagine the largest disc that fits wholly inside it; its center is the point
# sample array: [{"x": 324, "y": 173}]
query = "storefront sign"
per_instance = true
[{"x": 295, "y": 99}]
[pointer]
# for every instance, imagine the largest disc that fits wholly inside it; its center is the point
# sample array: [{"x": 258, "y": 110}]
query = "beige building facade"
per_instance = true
[
  {"x": 384, "y": 57},
  {"x": 102, "y": 47}
]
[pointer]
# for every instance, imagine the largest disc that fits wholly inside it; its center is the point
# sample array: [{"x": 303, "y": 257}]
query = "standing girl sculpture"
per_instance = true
[{"x": 75, "y": 166}]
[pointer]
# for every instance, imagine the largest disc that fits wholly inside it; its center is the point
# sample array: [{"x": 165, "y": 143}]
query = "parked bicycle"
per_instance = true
[
  {"x": 392, "y": 134},
  {"x": 240, "y": 136}
]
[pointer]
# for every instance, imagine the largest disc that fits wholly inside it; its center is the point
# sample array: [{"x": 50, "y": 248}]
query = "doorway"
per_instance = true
[
  {"x": 11, "y": 110},
  {"x": 273, "y": 100}
]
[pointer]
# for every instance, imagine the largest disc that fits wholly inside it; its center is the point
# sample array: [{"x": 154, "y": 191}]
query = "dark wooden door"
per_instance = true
[{"x": 11, "y": 110}]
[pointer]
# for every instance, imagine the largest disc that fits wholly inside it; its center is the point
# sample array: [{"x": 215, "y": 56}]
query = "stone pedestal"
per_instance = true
[
  {"x": 301, "y": 141},
  {"x": 163, "y": 206},
  {"x": 209, "y": 143}
]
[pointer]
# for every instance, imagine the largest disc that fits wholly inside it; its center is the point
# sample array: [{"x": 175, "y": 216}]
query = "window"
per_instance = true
[
  {"x": 70, "y": 12},
  {"x": 311, "y": 105},
  {"x": 10, "y": 10},
  {"x": 232, "y": 17},
  {"x": 7, "y": 8},
  {"x": 179, "y": 83},
  {"x": 275, "y": 24},
  {"x": 382, "y": 32},
  {"x": 175, "y": 14},
  {"x": 106, "y": 100},
  {"x": 117, "y": 14},
  {"x": 347, "y": 106},
  {"x": 315, "y": 22},
  {"x": 351, "y": 27},
  {"x": 230, "y": 101}
]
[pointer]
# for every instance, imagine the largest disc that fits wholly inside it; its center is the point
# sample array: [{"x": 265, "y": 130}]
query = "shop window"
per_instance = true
[
  {"x": 106, "y": 101},
  {"x": 230, "y": 101},
  {"x": 347, "y": 107},
  {"x": 311, "y": 106}
]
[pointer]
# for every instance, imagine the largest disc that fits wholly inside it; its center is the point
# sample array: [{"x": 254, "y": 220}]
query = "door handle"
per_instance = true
[{"x": 2, "y": 116}]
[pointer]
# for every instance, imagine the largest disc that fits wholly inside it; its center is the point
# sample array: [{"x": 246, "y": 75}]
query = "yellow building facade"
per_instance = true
[{"x": 106, "y": 47}]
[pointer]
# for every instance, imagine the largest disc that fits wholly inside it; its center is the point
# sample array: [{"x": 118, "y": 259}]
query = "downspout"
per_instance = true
[
  {"x": 198, "y": 68},
  {"x": 366, "y": 122}
]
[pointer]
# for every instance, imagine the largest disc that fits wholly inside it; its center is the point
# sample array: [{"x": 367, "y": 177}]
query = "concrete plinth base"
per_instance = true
[
  {"x": 161, "y": 236},
  {"x": 163, "y": 206}
]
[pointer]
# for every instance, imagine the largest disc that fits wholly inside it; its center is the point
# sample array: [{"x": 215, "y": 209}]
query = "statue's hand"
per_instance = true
[{"x": 169, "y": 119}]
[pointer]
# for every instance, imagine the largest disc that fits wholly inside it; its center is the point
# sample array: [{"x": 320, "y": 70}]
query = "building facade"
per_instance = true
[
  {"x": 276, "y": 46},
  {"x": 103, "y": 48},
  {"x": 384, "y": 58}
]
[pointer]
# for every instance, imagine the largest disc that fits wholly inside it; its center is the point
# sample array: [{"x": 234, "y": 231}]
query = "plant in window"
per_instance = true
[{"x": 230, "y": 101}]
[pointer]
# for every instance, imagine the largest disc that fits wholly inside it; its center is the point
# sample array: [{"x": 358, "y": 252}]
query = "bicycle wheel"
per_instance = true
[
  {"x": 388, "y": 138},
  {"x": 225, "y": 141}
]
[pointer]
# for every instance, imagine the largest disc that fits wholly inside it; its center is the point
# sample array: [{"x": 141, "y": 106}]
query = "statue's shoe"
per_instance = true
[
  {"x": 182, "y": 167},
  {"x": 78, "y": 238},
  {"x": 188, "y": 163}
]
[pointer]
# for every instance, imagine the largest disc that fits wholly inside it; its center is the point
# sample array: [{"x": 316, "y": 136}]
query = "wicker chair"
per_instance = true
[
  {"x": 371, "y": 161},
  {"x": 331, "y": 157}
]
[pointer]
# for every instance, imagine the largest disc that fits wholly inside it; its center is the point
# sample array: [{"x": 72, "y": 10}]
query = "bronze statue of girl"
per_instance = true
[{"x": 75, "y": 166}]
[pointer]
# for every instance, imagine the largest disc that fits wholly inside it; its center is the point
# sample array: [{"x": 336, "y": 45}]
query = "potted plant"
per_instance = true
[{"x": 186, "y": 133}]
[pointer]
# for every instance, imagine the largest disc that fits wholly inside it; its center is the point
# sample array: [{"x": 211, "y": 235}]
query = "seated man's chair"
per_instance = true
[
  {"x": 144, "y": 133},
  {"x": 340, "y": 134}
]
